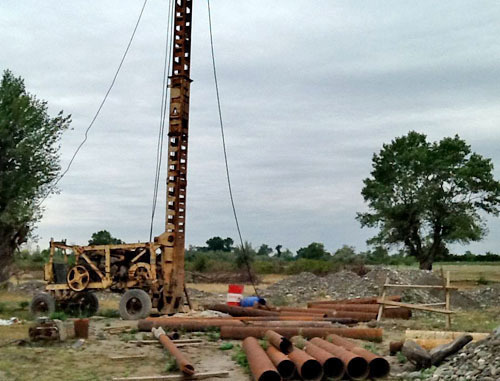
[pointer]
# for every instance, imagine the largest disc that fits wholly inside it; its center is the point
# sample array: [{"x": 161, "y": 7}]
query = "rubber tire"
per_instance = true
[
  {"x": 45, "y": 298},
  {"x": 145, "y": 305},
  {"x": 90, "y": 303}
]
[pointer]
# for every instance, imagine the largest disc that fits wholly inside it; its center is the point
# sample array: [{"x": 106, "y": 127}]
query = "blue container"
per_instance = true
[{"x": 249, "y": 301}]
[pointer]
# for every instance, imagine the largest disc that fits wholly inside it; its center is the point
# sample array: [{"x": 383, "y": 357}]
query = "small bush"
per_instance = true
[
  {"x": 240, "y": 358},
  {"x": 315, "y": 266},
  {"x": 482, "y": 281},
  {"x": 109, "y": 313},
  {"x": 24, "y": 304},
  {"x": 171, "y": 363},
  {"x": 401, "y": 358},
  {"x": 226, "y": 346},
  {"x": 58, "y": 315},
  {"x": 3, "y": 307}
]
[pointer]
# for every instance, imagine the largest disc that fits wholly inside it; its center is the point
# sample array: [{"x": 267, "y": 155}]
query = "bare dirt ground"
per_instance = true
[{"x": 22, "y": 360}]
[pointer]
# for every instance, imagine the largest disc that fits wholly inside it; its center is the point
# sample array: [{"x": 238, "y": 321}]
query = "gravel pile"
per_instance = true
[
  {"x": 305, "y": 287},
  {"x": 486, "y": 295},
  {"x": 476, "y": 361}
]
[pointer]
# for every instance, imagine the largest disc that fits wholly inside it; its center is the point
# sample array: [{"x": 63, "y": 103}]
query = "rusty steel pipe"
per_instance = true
[
  {"x": 261, "y": 366},
  {"x": 395, "y": 313},
  {"x": 379, "y": 366},
  {"x": 331, "y": 313},
  {"x": 280, "y": 342},
  {"x": 187, "y": 325},
  {"x": 307, "y": 366},
  {"x": 292, "y": 323},
  {"x": 285, "y": 366},
  {"x": 333, "y": 367},
  {"x": 373, "y": 300},
  {"x": 182, "y": 361},
  {"x": 241, "y": 311},
  {"x": 322, "y": 314},
  {"x": 281, "y": 317},
  {"x": 395, "y": 347},
  {"x": 238, "y": 333},
  {"x": 356, "y": 367}
]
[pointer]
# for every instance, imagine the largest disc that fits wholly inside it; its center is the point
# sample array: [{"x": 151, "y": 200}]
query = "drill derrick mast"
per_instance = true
[{"x": 172, "y": 241}]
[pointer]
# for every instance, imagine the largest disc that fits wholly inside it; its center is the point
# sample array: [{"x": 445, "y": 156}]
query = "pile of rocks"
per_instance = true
[
  {"x": 304, "y": 287},
  {"x": 477, "y": 361}
]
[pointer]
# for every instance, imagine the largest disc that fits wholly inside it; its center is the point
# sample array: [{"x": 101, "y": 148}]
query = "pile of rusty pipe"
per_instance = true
[
  {"x": 373, "y": 300},
  {"x": 238, "y": 333},
  {"x": 278, "y": 341},
  {"x": 241, "y": 311},
  {"x": 260, "y": 364},
  {"x": 182, "y": 361},
  {"x": 356, "y": 367},
  {"x": 333, "y": 367},
  {"x": 398, "y": 312},
  {"x": 304, "y": 312},
  {"x": 379, "y": 366},
  {"x": 285, "y": 366},
  {"x": 307, "y": 366}
]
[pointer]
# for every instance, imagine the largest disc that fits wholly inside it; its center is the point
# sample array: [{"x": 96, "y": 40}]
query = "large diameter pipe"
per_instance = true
[
  {"x": 241, "y": 311},
  {"x": 292, "y": 323},
  {"x": 379, "y": 366},
  {"x": 260, "y": 365},
  {"x": 394, "y": 313},
  {"x": 307, "y": 366},
  {"x": 322, "y": 314},
  {"x": 330, "y": 313},
  {"x": 186, "y": 325},
  {"x": 280, "y": 342},
  {"x": 282, "y": 362},
  {"x": 238, "y": 333},
  {"x": 373, "y": 300},
  {"x": 333, "y": 367},
  {"x": 182, "y": 361},
  {"x": 356, "y": 367}
]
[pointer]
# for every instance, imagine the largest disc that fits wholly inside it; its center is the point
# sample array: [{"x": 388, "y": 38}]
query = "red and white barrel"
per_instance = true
[{"x": 234, "y": 294}]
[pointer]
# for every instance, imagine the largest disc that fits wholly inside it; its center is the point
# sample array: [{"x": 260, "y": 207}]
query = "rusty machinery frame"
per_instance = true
[{"x": 162, "y": 274}]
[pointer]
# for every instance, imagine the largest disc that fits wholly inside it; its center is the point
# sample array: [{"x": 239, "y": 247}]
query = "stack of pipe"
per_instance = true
[{"x": 318, "y": 358}]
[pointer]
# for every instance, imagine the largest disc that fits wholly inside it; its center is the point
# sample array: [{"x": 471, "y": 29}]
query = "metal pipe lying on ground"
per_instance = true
[
  {"x": 373, "y": 300},
  {"x": 307, "y": 366},
  {"x": 238, "y": 333},
  {"x": 356, "y": 367},
  {"x": 394, "y": 313},
  {"x": 379, "y": 366},
  {"x": 187, "y": 325},
  {"x": 182, "y": 361},
  {"x": 261, "y": 366},
  {"x": 332, "y": 314},
  {"x": 285, "y": 366},
  {"x": 333, "y": 367},
  {"x": 241, "y": 311},
  {"x": 280, "y": 342}
]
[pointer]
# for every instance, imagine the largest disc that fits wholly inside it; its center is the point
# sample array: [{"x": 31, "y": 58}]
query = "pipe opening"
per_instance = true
[
  {"x": 379, "y": 368},
  {"x": 357, "y": 368},
  {"x": 286, "y": 346},
  {"x": 334, "y": 368},
  {"x": 270, "y": 375},
  {"x": 188, "y": 369},
  {"x": 286, "y": 368},
  {"x": 311, "y": 370}
]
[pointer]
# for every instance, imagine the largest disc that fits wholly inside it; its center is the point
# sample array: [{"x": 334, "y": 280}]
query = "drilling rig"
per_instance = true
[{"x": 149, "y": 274}]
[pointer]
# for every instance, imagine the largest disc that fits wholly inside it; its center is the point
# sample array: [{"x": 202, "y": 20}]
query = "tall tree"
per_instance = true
[
  {"x": 29, "y": 163},
  {"x": 103, "y": 237},
  {"x": 264, "y": 250},
  {"x": 314, "y": 251},
  {"x": 219, "y": 244},
  {"x": 426, "y": 195}
]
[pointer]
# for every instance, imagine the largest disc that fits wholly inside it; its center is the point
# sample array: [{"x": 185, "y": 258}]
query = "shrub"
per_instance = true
[{"x": 315, "y": 266}]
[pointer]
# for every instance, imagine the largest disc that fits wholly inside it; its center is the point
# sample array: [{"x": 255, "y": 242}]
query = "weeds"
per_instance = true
[
  {"x": 483, "y": 281},
  {"x": 226, "y": 346},
  {"x": 240, "y": 358},
  {"x": 58, "y": 315},
  {"x": 109, "y": 313},
  {"x": 371, "y": 348},
  {"x": 401, "y": 358},
  {"x": 170, "y": 363},
  {"x": 3, "y": 307},
  {"x": 24, "y": 304}
]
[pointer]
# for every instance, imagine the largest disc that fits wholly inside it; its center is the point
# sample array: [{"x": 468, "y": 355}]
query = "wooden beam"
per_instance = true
[
  {"x": 196, "y": 376},
  {"x": 419, "y": 286},
  {"x": 414, "y": 307}
]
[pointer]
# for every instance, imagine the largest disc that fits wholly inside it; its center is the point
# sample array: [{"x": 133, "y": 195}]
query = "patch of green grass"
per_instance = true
[
  {"x": 226, "y": 346},
  {"x": 127, "y": 336},
  {"x": 264, "y": 344},
  {"x": 482, "y": 280},
  {"x": 213, "y": 334},
  {"x": 24, "y": 304},
  {"x": 401, "y": 358},
  {"x": 3, "y": 307},
  {"x": 370, "y": 347},
  {"x": 109, "y": 313},
  {"x": 58, "y": 315},
  {"x": 170, "y": 363},
  {"x": 240, "y": 358}
]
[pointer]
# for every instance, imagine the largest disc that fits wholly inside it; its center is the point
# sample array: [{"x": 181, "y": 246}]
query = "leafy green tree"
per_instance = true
[
  {"x": 346, "y": 254},
  {"x": 244, "y": 256},
  {"x": 278, "y": 250},
  {"x": 264, "y": 250},
  {"x": 314, "y": 251},
  {"x": 29, "y": 163},
  {"x": 426, "y": 195},
  {"x": 219, "y": 244},
  {"x": 103, "y": 237}
]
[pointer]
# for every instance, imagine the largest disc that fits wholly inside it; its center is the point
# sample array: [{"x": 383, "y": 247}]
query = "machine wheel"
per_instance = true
[
  {"x": 83, "y": 304},
  {"x": 135, "y": 304},
  {"x": 78, "y": 278},
  {"x": 42, "y": 304}
]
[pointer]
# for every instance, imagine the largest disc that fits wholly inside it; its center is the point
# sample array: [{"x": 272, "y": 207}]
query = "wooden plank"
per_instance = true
[
  {"x": 381, "y": 306},
  {"x": 196, "y": 376},
  {"x": 418, "y": 286},
  {"x": 127, "y": 357},
  {"x": 414, "y": 307},
  {"x": 447, "y": 300}
]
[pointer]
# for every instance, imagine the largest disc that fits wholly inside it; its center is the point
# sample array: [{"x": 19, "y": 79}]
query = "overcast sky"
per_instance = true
[{"x": 310, "y": 90}]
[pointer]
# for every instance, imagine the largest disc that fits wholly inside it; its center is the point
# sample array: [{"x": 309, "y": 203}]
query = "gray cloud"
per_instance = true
[{"x": 310, "y": 90}]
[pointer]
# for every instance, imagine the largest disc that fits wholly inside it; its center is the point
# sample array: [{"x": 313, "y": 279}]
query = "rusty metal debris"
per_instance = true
[
  {"x": 333, "y": 367},
  {"x": 261, "y": 366},
  {"x": 44, "y": 330},
  {"x": 307, "y": 366},
  {"x": 379, "y": 366},
  {"x": 285, "y": 366},
  {"x": 238, "y": 333},
  {"x": 241, "y": 311},
  {"x": 182, "y": 361},
  {"x": 280, "y": 342},
  {"x": 356, "y": 367}
]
